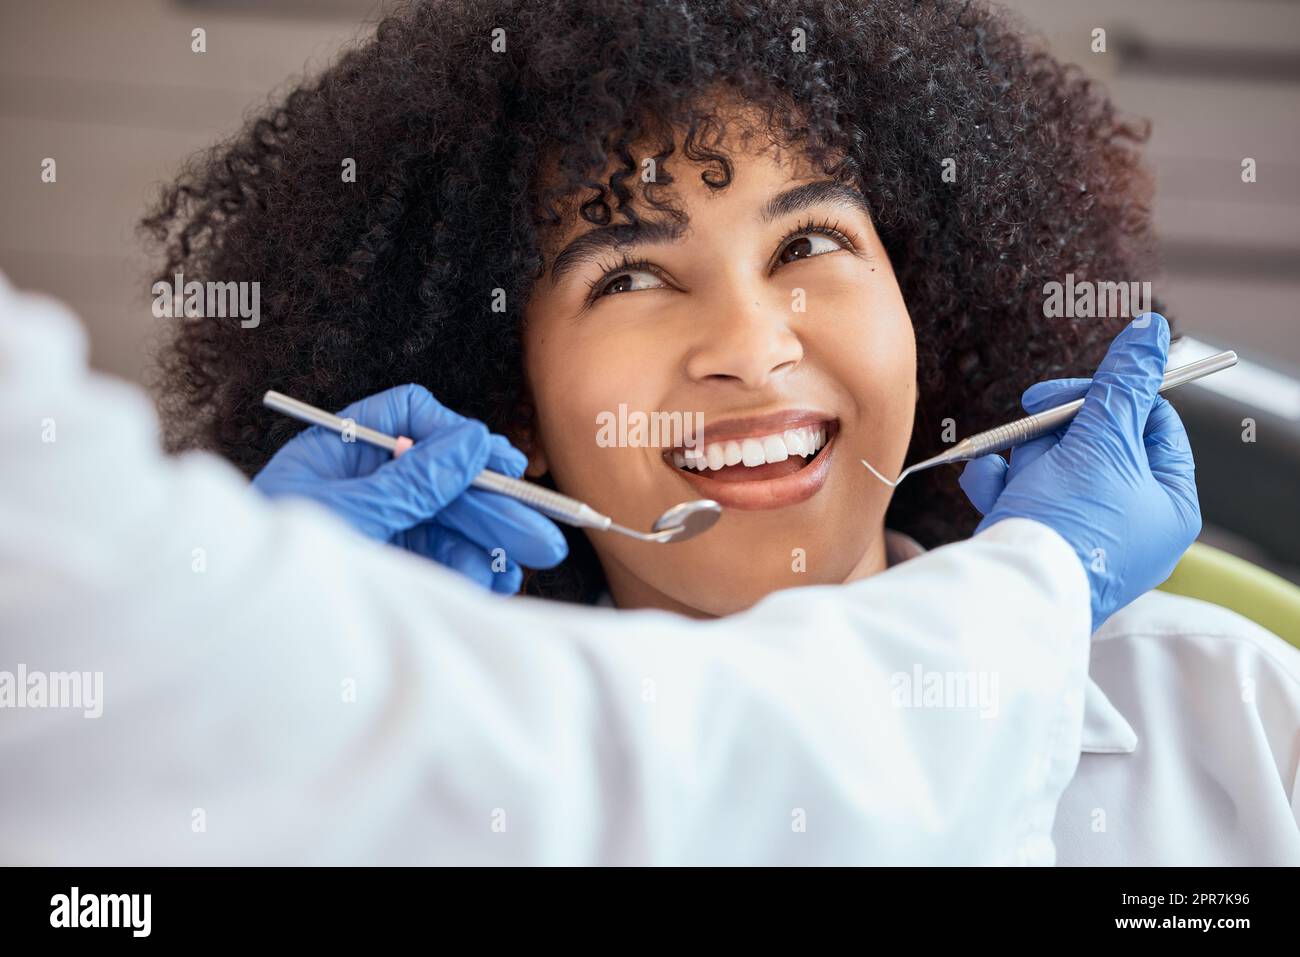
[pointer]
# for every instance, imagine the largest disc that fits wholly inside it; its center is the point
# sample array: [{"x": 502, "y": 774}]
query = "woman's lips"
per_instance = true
[{"x": 772, "y": 485}]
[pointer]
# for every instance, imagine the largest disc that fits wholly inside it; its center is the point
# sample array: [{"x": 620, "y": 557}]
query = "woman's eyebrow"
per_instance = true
[
  {"x": 619, "y": 236},
  {"x": 622, "y": 235},
  {"x": 823, "y": 192}
]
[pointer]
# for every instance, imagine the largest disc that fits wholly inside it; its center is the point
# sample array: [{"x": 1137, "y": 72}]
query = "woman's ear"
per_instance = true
[
  {"x": 537, "y": 463},
  {"x": 526, "y": 437}
]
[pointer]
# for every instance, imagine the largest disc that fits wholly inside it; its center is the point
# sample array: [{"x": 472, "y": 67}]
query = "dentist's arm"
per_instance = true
[{"x": 278, "y": 689}]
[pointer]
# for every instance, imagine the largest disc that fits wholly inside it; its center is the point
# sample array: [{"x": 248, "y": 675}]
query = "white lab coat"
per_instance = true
[
  {"x": 279, "y": 690},
  {"x": 1191, "y": 743},
  {"x": 1205, "y": 768}
]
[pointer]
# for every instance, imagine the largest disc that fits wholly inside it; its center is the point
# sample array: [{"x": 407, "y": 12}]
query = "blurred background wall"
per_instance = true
[{"x": 112, "y": 91}]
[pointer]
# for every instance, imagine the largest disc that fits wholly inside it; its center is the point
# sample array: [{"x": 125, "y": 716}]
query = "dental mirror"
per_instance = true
[{"x": 688, "y": 520}]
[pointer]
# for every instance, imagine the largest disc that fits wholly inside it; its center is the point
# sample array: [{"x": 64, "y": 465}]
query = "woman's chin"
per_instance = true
[{"x": 709, "y": 591}]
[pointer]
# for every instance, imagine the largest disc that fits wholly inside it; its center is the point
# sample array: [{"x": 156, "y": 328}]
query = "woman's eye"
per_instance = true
[
  {"x": 628, "y": 281},
  {"x": 807, "y": 246}
]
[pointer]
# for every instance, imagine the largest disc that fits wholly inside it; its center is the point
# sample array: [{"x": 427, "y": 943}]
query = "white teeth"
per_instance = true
[
  {"x": 774, "y": 449},
  {"x": 758, "y": 450}
]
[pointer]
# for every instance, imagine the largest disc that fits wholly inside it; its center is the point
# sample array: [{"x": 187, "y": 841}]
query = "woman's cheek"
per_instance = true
[
  {"x": 584, "y": 448},
  {"x": 868, "y": 349},
  {"x": 887, "y": 380}
]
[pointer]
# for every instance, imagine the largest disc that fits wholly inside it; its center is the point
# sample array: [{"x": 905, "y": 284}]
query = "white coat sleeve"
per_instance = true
[{"x": 275, "y": 689}]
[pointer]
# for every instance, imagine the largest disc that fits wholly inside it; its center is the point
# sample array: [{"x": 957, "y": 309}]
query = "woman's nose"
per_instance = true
[{"x": 749, "y": 341}]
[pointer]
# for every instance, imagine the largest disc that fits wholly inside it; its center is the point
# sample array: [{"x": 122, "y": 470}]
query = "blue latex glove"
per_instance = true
[
  {"x": 421, "y": 501},
  {"x": 1118, "y": 483}
]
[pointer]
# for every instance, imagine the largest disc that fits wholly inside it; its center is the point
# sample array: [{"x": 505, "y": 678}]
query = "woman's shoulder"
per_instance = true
[
  {"x": 1212, "y": 703},
  {"x": 1189, "y": 626}
]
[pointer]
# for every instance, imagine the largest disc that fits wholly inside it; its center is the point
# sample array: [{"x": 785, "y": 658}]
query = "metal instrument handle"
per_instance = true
[
  {"x": 545, "y": 500},
  {"x": 1042, "y": 423}
]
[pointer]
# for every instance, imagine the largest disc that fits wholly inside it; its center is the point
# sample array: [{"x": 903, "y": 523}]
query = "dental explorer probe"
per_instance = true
[
  {"x": 1041, "y": 423},
  {"x": 677, "y": 524}
]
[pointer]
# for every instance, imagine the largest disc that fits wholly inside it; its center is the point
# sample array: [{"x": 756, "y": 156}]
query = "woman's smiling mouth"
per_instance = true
[{"x": 764, "y": 462}]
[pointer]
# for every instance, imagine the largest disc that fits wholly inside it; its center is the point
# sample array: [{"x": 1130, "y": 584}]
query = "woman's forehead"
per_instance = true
[{"x": 751, "y": 159}]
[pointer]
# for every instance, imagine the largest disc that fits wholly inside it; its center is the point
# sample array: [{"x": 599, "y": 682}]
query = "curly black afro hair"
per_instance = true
[{"x": 463, "y": 153}]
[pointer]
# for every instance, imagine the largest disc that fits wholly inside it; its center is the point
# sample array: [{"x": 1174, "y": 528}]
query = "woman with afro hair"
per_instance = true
[{"x": 831, "y": 223}]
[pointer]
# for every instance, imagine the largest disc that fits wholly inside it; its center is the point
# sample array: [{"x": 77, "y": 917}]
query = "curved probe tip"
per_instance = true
[{"x": 871, "y": 469}]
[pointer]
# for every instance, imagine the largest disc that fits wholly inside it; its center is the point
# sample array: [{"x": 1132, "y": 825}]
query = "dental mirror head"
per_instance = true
[{"x": 687, "y": 520}]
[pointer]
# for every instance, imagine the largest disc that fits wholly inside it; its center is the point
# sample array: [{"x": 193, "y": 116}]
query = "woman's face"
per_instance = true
[{"x": 773, "y": 318}]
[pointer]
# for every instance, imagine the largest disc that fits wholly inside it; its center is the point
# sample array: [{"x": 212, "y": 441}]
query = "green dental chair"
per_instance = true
[
  {"x": 1222, "y": 579},
  {"x": 1250, "y": 490}
]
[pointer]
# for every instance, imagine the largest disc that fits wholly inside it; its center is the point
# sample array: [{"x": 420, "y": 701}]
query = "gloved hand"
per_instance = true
[
  {"x": 422, "y": 500},
  {"x": 1118, "y": 483}
]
